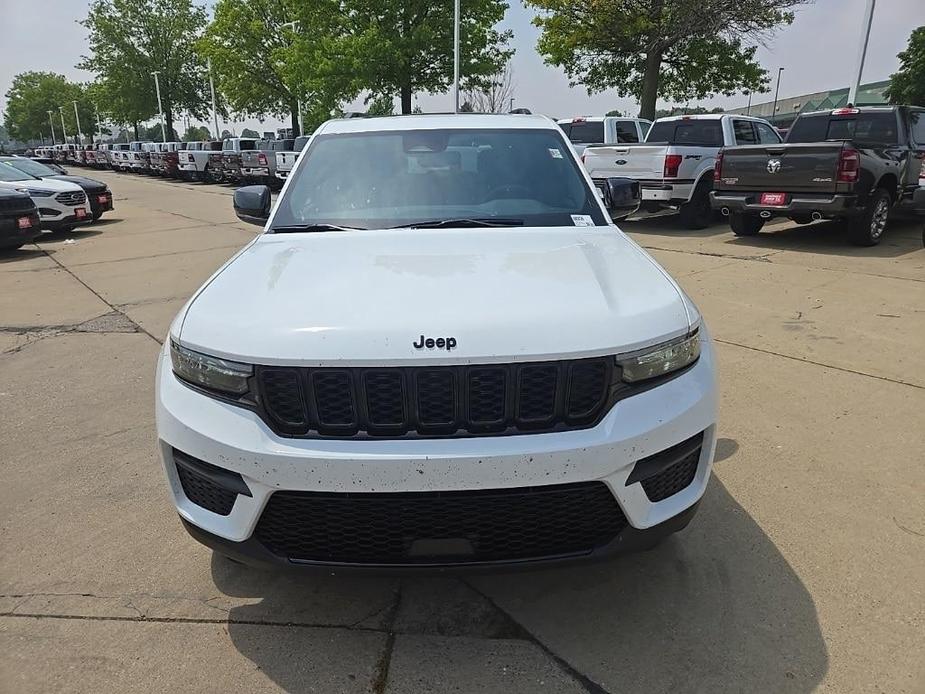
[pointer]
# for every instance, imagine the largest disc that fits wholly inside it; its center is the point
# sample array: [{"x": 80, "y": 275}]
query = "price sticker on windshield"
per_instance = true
[
  {"x": 582, "y": 220},
  {"x": 555, "y": 153}
]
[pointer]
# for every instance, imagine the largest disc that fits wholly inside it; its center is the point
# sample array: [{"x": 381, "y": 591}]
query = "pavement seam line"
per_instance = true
[
  {"x": 100, "y": 297},
  {"x": 818, "y": 363},
  {"x": 586, "y": 682},
  {"x": 384, "y": 662},
  {"x": 115, "y": 261}
]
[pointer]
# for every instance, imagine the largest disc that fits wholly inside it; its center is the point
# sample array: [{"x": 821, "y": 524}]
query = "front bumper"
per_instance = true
[
  {"x": 255, "y": 172},
  {"x": 100, "y": 202},
  {"x": 12, "y": 235},
  {"x": 236, "y": 440},
  {"x": 797, "y": 204}
]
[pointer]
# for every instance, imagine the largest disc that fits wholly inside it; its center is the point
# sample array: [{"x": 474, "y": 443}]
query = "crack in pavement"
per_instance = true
[
  {"x": 106, "y": 323},
  {"x": 384, "y": 662},
  {"x": 156, "y": 255},
  {"x": 819, "y": 363}
]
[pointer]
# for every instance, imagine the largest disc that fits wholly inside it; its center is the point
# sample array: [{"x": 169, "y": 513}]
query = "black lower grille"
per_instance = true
[
  {"x": 16, "y": 203},
  {"x": 441, "y": 527},
  {"x": 435, "y": 401},
  {"x": 672, "y": 479},
  {"x": 198, "y": 480}
]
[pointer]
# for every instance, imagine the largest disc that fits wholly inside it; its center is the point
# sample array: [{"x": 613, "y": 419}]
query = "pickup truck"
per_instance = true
[
  {"x": 138, "y": 156},
  {"x": 259, "y": 165},
  {"x": 285, "y": 160},
  {"x": 194, "y": 162},
  {"x": 117, "y": 156},
  {"x": 231, "y": 156},
  {"x": 851, "y": 164},
  {"x": 603, "y": 130},
  {"x": 674, "y": 166}
]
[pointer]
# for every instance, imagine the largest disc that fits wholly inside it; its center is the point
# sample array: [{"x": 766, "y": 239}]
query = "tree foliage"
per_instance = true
[
  {"x": 33, "y": 94},
  {"x": 907, "y": 85},
  {"x": 196, "y": 133},
  {"x": 686, "y": 111},
  {"x": 131, "y": 39},
  {"x": 494, "y": 93},
  {"x": 383, "y": 105},
  {"x": 406, "y": 46},
  {"x": 651, "y": 49}
]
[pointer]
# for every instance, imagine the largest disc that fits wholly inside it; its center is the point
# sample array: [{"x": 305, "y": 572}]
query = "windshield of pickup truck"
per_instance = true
[
  {"x": 862, "y": 127},
  {"x": 702, "y": 132},
  {"x": 377, "y": 180}
]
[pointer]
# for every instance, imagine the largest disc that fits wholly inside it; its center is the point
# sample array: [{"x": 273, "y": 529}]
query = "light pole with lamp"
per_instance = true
[
  {"x": 776, "y": 92},
  {"x": 51, "y": 122},
  {"x": 295, "y": 29},
  {"x": 160, "y": 109},
  {"x": 80, "y": 137},
  {"x": 218, "y": 134},
  {"x": 456, "y": 56}
]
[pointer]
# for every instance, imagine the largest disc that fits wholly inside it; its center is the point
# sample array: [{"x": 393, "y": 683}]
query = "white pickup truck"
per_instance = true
[
  {"x": 603, "y": 130},
  {"x": 194, "y": 165},
  {"x": 285, "y": 160},
  {"x": 674, "y": 166}
]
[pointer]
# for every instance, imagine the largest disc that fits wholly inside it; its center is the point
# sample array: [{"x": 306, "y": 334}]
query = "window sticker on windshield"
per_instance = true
[
  {"x": 555, "y": 153},
  {"x": 582, "y": 220}
]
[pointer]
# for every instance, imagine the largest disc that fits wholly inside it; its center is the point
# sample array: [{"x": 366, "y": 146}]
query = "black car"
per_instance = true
[
  {"x": 19, "y": 219},
  {"x": 99, "y": 197}
]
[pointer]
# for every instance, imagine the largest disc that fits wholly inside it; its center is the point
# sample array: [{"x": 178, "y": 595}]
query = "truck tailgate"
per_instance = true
[
  {"x": 810, "y": 167},
  {"x": 285, "y": 160},
  {"x": 642, "y": 162}
]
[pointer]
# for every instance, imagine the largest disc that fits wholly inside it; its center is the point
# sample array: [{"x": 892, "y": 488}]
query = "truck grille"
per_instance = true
[
  {"x": 72, "y": 199},
  {"x": 16, "y": 203},
  {"x": 435, "y": 401},
  {"x": 420, "y": 528}
]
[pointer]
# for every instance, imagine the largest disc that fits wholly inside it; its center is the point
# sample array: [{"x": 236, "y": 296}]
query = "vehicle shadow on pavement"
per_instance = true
[
  {"x": 902, "y": 236},
  {"x": 716, "y": 608},
  {"x": 11, "y": 255},
  {"x": 671, "y": 224}
]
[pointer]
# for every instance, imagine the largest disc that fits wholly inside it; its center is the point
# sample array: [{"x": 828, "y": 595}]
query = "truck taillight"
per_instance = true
[
  {"x": 262, "y": 159},
  {"x": 718, "y": 167},
  {"x": 849, "y": 163},
  {"x": 672, "y": 164}
]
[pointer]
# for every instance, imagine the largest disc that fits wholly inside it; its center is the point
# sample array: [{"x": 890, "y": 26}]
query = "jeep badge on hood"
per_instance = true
[{"x": 447, "y": 343}]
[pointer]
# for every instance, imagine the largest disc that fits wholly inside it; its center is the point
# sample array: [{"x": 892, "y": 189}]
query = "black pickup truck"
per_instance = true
[{"x": 852, "y": 164}]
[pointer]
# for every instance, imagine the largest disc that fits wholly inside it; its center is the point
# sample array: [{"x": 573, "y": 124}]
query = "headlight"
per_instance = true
[
  {"x": 208, "y": 372},
  {"x": 661, "y": 360},
  {"x": 40, "y": 193}
]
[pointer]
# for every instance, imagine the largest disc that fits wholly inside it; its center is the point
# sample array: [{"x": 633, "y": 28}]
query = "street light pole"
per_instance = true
[
  {"x": 99, "y": 125},
  {"x": 218, "y": 134},
  {"x": 51, "y": 122},
  {"x": 63, "y": 129},
  {"x": 80, "y": 135},
  {"x": 862, "y": 52},
  {"x": 776, "y": 92},
  {"x": 160, "y": 109},
  {"x": 748, "y": 109},
  {"x": 456, "y": 55}
]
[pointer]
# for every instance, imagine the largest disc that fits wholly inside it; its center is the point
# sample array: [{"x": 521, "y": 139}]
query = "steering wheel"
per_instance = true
[{"x": 509, "y": 188}]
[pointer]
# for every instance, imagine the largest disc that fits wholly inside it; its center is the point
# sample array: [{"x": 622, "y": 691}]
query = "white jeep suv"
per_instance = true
[{"x": 441, "y": 352}]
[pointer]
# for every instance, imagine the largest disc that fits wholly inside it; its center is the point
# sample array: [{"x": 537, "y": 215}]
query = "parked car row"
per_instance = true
[
  {"x": 232, "y": 160},
  {"x": 59, "y": 202}
]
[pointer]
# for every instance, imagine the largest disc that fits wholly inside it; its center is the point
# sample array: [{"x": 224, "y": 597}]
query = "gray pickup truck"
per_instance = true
[
  {"x": 852, "y": 164},
  {"x": 259, "y": 165}
]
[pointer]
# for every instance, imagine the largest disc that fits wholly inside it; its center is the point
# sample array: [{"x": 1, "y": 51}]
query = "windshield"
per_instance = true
[
  {"x": 394, "y": 178},
  {"x": 9, "y": 174},
  {"x": 30, "y": 167},
  {"x": 864, "y": 127}
]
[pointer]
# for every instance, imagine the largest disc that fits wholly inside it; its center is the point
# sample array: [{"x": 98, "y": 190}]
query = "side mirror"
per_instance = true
[
  {"x": 621, "y": 197},
  {"x": 252, "y": 204}
]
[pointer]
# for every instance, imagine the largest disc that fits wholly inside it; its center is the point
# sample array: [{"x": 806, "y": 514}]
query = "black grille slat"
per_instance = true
[
  {"x": 673, "y": 479},
  {"x": 72, "y": 199},
  {"x": 495, "y": 525},
  {"x": 434, "y": 400},
  {"x": 205, "y": 493}
]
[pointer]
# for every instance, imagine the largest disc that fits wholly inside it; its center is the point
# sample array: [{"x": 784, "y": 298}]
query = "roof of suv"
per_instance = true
[{"x": 469, "y": 121}]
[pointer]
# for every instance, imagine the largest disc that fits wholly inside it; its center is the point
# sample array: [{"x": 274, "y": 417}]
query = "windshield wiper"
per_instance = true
[
  {"x": 293, "y": 228},
  {"x": 462, "y": 222}
]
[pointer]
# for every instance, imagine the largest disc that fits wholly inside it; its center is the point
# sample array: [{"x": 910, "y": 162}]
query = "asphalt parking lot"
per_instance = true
[{"x": 802, "y": 571}]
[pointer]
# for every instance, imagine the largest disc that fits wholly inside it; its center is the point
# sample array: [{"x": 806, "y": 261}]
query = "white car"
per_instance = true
[
  {"x": 444, "y": 354},
  {"x": 583, "y": 131},
  {"x": 62, "y": 205}
]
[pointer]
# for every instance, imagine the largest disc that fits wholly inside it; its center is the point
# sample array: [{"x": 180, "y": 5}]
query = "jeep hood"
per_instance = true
[{"x": 363, "y": 297}]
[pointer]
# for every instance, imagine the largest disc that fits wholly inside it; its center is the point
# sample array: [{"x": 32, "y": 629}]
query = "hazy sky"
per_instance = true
[{"x": 818, "y": 52}]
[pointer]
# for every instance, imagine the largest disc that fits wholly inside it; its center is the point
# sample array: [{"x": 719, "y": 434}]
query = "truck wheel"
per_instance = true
[
  {"x": 745, "y": 224},
  {"x": 697, "y": 213},
  {"x": 867, "y": 228}
]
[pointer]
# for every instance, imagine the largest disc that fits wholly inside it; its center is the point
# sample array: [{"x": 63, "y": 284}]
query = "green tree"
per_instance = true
[
  {"x": 383, "y": 105},
  {"x": 131, "y": 39},
  {"x": 247, "y": 132},
  {"x": 615, "y": 112},
  {"x": 33, "y": 94},
  {"x": 401, "y": 47},
  {"x": 907, "y": 85},
  {"x": 686, "y": 111},
  {"x": 196, "y": 133},
  {"x": 268, "y": 55},
  {"x": 669, "y": 49}
]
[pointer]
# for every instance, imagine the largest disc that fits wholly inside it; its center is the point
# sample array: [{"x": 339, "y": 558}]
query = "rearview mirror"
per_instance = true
[
  {"x": 621, "y": 197},
  {"x": 252, "y": 204}
]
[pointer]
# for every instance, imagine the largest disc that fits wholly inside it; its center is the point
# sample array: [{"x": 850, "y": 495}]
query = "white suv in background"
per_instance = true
[
  {"x": 444, "y": 354},
  {"x": 62, "y": 205}
]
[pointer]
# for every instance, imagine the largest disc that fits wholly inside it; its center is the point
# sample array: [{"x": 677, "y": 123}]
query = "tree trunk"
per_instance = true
[
  {"x": 649, "y": 94},
  {"x": 168, "y": 122},
  {"x": 406, "y": 98},
  {"x": 294, "y": 113},
  {"x": 135, "y": 125}
]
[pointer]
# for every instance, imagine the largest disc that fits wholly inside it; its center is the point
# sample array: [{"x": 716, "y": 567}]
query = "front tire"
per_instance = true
[
  {"x": 697, "y": 213},
  {"x": 867, "y": 228},
  {"x": 745, "y": 224}
]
